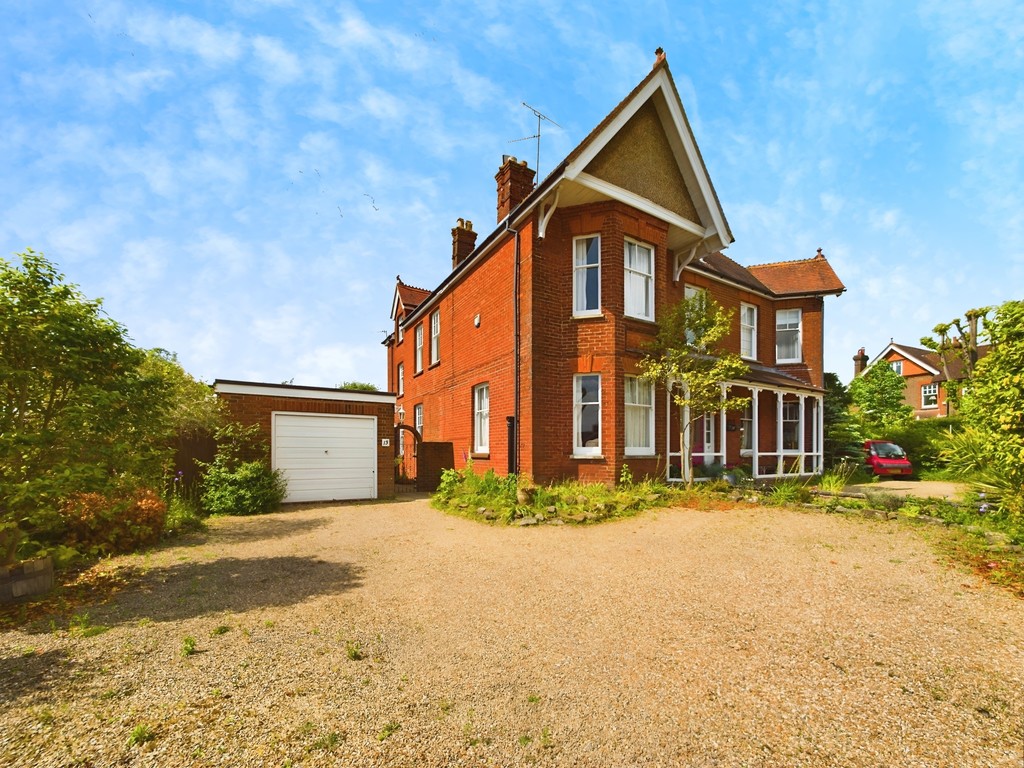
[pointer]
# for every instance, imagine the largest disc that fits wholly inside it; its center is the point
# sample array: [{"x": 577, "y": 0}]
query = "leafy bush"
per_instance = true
[
  {"x": 924, "y": 440},
  {"x": 243, "y": 488},
  {"x": 108, "y": 524}
]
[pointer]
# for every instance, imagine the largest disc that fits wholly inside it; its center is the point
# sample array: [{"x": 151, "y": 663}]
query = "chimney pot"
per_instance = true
[{"x": 860, "y": 362}]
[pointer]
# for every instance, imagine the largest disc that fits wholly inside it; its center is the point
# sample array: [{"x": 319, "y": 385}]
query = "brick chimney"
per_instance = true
[
  {"x": 515, "y": 182},
  {"x": 860, "y": 362},
  {"x": 463, "y": 241}
]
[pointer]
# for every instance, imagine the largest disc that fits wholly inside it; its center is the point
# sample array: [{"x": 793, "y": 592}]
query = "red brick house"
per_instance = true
[
  {"x": 922, "y": 369},
  {"x": 525, "y": 356}
]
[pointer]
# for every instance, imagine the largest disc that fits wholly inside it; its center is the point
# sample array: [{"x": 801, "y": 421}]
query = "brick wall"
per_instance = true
[{"x": 256, "y": 409}]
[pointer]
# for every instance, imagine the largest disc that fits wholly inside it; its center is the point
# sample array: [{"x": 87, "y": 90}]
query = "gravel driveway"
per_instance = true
[{"x": 391, "y": 634}]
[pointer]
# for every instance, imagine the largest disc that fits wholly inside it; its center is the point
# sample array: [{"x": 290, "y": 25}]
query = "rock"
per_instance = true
[
  {"x": 490, "y": 514},
  {"x": 994, "y": 537},
  {"x": 525, "y": 495},
  {"x": 551, "y": 510},
  {"x": 556, "y": 521},
  {"x": 526, "y": 521}
]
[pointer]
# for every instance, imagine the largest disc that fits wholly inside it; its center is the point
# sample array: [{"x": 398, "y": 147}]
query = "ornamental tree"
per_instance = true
[
  {"x": 687, "y": 352},
  {"x": 878, "y": 396},
  {"x": 993, "y": 404},
  {"x": 957, "y": 342}
]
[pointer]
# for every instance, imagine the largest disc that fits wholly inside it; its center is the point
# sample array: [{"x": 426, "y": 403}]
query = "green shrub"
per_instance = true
[
  {"x": 246, "y": 488},
  {"x": 924, "y": 441}
]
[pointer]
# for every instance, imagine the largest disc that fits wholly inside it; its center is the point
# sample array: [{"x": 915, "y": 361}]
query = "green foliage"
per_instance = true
[
  {"x": 687, "y": 351},
  {"x": 993, "y": 404},
  {"x": 246, "y": 488},
  {"x": 924, "y": 441},
  {"x": 878, "y": 396},
  {"x": 188, "y": 646},
  {"x": 958, "y": 351},
  {"x": 360, "y": 386},
  {"x": 235, "y": 484},
  {"x": 82, "y": 411},
  {"x": 789, "y": 491},
  {"x": 508, "y": 499},
  {"x": 838, "y": 477},
  {"x": 140, "y": 734},
  {"x": 190, "y": 407},
  {"x": 842, "y": 439}
]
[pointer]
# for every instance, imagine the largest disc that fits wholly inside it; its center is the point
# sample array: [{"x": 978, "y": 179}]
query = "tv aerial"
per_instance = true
[{"x": 540, "y": 117}]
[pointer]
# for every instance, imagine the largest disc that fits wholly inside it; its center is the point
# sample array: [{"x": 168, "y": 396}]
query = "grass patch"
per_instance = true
[
  {"x": 140, "y": 734},
  {"x": 188, "y": 646},
  {"x": 81, "y": 627},
  {"x": 388, "y": 730}
]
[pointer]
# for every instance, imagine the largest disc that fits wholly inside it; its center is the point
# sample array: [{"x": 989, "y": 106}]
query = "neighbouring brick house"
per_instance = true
[
  {"x": 525, "y": 356},
  {"x": 923, "y": 371}
]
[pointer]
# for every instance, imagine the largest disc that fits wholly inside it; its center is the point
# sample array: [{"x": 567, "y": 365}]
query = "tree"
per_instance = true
[
  {"x": 842, "y": 440},
  {"x": 878, "y": 396},
  {"x": 993, "y": 404},
  {"x": 961, "y": 347},
  {"x": 82, "y": 410},
  {"x": 687, "y": 352},
  {"x": 362, "y": 386}
]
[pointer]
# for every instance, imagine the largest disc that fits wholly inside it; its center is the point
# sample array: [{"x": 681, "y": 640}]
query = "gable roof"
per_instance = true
[
  {"x": 930, "y": 360},
  {"x": 407, "y": 297},
  {"x": 602, "y": 167},
  {"x": 807, "y": 277},
  {"x": 644, "y": 153}
]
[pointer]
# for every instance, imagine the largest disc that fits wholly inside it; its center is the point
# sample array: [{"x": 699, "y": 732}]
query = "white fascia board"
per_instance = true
[
  {"x": 893, "y": 347},
  {"x": 307, "y": 393},
  {"x": 394, "y": 304},
  {"x": 660, "y": 83},
  {"x": 641, "y": 204}
]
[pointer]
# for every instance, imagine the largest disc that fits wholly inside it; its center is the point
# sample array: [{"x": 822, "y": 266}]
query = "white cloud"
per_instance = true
[
  {"x": 277, "y": 63},
  {"x": 185, "y": 34}
]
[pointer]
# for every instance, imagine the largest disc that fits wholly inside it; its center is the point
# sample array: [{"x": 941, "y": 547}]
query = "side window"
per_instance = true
[
  {"x": 639, "y": 279},
  {"x": 401, "y": 379},
  {"x": 419, "y": 348},
  {"x": 482, "y": 419},
  {"x": 787, "y": 336},
  {"x": 586, "y": 276},
  {"x": 748, "y": 331},
  {"x": 435, "y": 337},
  {"x": 587, "y": 414}
]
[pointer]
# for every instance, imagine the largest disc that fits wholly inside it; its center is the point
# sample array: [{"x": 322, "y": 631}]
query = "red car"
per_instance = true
[{"x": 887, "y": 459}]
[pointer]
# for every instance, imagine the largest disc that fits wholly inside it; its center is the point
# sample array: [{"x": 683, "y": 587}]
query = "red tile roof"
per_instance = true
[
  {"x": 795, "y": 278},
  {"x": 410, "y": 295}
]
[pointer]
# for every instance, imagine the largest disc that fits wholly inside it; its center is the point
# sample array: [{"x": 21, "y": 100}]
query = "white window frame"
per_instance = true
[
  {"x": 689, "y": 291},
  {"x": 435, "y": 337},
  {"x": 401, "y": 379},
  {"x": 791, "y": 415},
  {"x": 748, "y": 331},
  {"x": 747, "y": 431},
  {"x": 781, "y": 316},
  {"x": 419, "y": 348},
  {"x": 401, "y": 333},
  {"x": 709, "y": 433},
  {"x": 417, "y": 421},
  {"x": 631, "y": 275},
  {"x": 580, "y": 250},
  {"x": 482, "y": 418},
  {"x": 401, "y": 432},
  {"x": 897, "y": 365},
  {"x": 930, "y": 389},
  {"x": 579, "y": 449},
  {"x": 634, "y": 385}
]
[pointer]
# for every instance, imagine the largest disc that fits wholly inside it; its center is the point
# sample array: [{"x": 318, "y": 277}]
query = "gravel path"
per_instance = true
[{"x": 393, "y": 635}]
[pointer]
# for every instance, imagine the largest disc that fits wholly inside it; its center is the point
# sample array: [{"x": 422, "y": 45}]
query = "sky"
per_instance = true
[{"x": 241, "y": 181}]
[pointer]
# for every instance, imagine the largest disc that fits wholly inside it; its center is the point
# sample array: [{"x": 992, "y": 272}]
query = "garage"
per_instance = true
[
  {"x": 326, "y": 458},
  {"x": 330, "y": 444}
]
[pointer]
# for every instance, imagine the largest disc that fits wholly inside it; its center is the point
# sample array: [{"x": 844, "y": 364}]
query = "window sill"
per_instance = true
[
  {"x": 483, "y": 456},
  {"x": 433, "y": 365},
  {"x": 638, "y": 318},
  {"x": 597, "y": 315},
  {"x": 640, "y": 455},
  {"x": 788, "y": 362},
  {"x": 586, "y": 456}
]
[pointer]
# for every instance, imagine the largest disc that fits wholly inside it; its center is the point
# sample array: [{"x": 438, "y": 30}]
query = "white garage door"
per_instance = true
[{"x": 326, "y": 458}]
